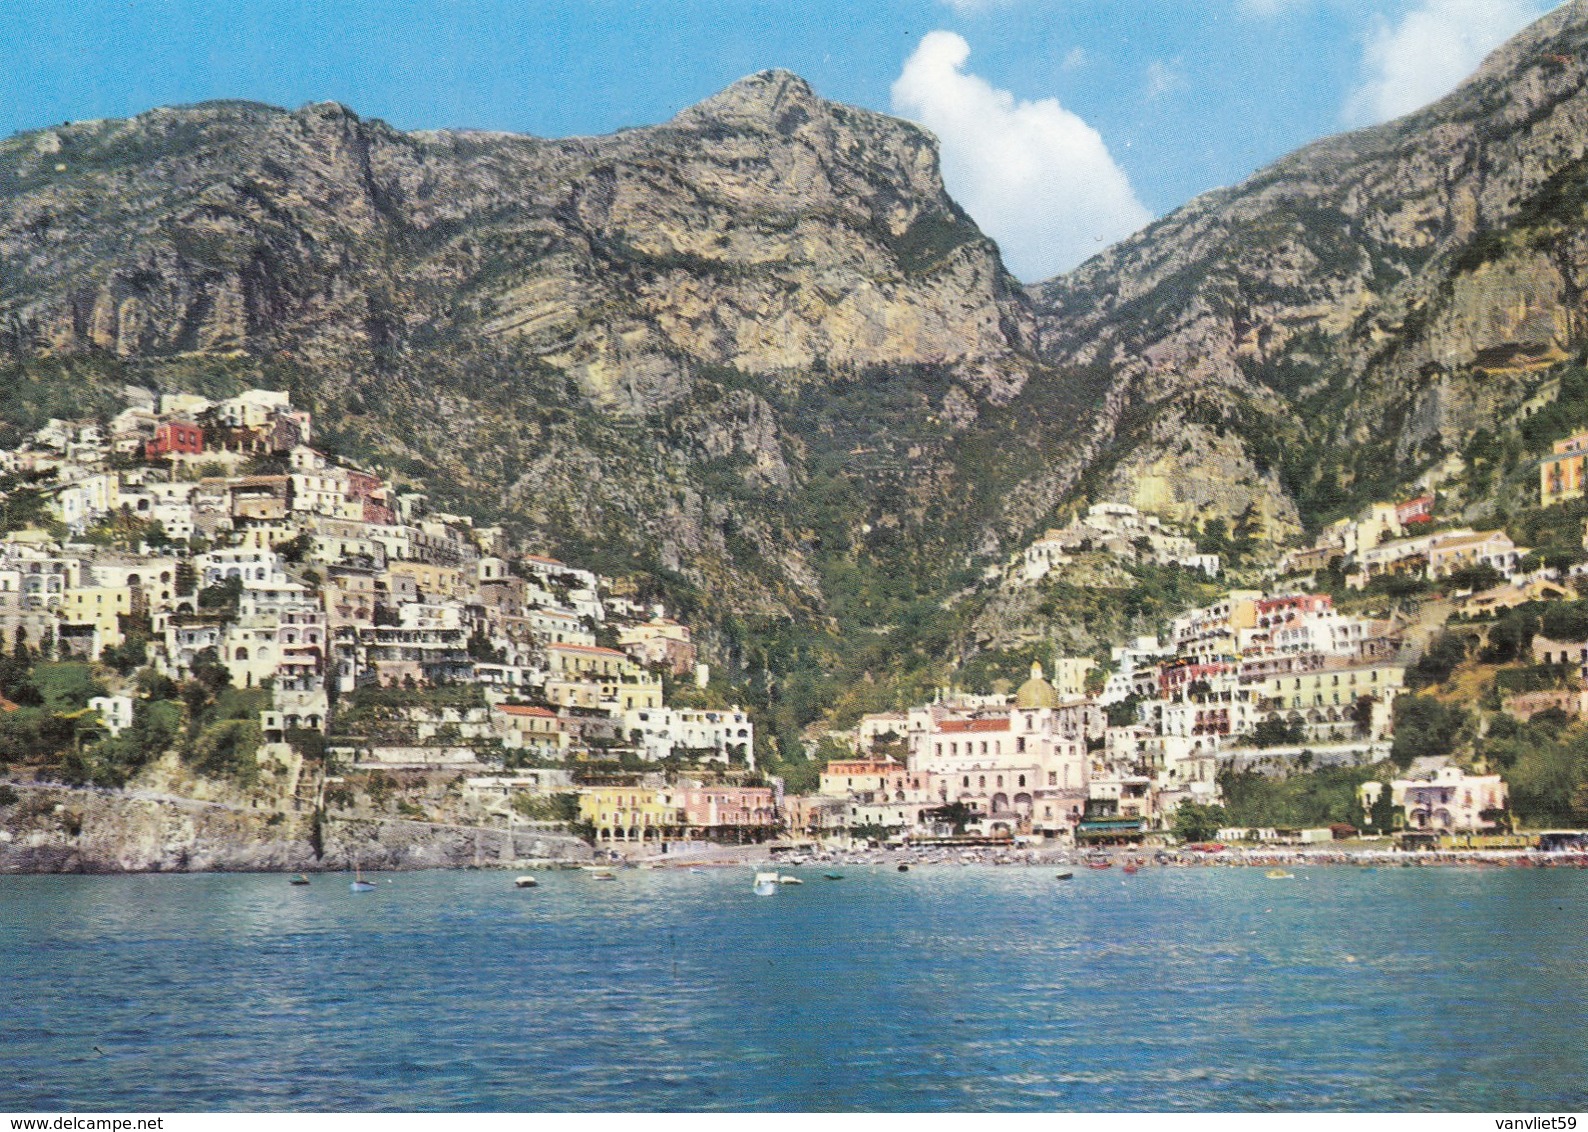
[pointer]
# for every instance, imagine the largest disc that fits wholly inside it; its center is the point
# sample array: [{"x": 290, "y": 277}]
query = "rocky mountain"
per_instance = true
[
  {"x": 647, "y": 346},
  {"x": 758, "y": 353},
  {"x": 1348, "y": 315}
]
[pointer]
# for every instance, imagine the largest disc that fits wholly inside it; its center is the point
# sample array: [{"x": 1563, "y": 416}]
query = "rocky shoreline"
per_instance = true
[{"x": 58, "y": 829}]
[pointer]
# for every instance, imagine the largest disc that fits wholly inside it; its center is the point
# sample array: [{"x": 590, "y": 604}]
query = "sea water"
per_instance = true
[{"x": 940, "y": 989}]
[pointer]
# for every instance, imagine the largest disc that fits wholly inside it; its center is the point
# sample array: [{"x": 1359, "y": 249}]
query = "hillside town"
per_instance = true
[{"x": 212, "y": 541}]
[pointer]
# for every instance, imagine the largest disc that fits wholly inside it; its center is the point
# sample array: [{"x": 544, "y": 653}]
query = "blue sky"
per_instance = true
[{"x": 1064, "y": 123}]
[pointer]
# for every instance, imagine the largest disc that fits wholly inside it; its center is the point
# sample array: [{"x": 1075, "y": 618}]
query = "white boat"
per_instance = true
[
  {"x": 765, "y": 884},
  {"x": 789, "y": 880},
  {"x": 526, "y": 882},
  {"x": 359, "y": 884}
]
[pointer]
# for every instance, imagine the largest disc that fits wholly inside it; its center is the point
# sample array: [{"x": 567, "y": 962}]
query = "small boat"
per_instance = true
[
  {"x": 1279, "y": 874},
  {"x": 525, "y": 882},
  {"x": 789, "y": 880},
  {"x": 904, "y": 868},
  {"x": 1131, "y": 868},
  {"x": 359, "y": 883},
  {"x": 1065, "y": 876},
  {"x": 603, "y": 874},
  {"x": 299, "y": 881},
  {"x": 834, "y": 876},
  {"x": 765, "y": 884},
  {"x": 1100, "y": 864}
]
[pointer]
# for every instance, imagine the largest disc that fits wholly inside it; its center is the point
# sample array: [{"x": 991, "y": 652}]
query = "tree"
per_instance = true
[
  {"x": 1565, "y": 621},
  {"x": 1424, "y": 726},
  {"x": 1277, "y": 733},
  {"x": 957, "y": 814},
  {"x": 130, "y": 654},
  {"x": 223, "y": 595},
  {"x": 294, "y": 549},
  {"x": 208, "y": 670},
  {"x": 1444, "y": 652},
  {"x": 1194, "y": 821},
  {"x": 1511, "y": 637},
  {"x": 1480, "y": 576},
  {"x": 1123, "y": 713},
  {"x": 1385, "y": 816}
]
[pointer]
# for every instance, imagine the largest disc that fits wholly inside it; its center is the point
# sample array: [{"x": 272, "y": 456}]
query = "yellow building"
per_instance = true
[
  {"x": 632, "y": 813},
  {"x": 1561, "y": 475},
  {"x": 99, "y": 606},
  {"x": 1379, "y": 523},
  {"x": 430, "y": 580},
  {"x": 589, "y": 660},
  {"x": 1335, "y": 687},
  {"x": 605, "y": 693},
  {"x": 1069, "y": 675}
]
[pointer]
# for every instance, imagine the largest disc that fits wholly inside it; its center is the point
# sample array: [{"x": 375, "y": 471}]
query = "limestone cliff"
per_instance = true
[
  {"x": 594, "y": 335},
  {"x": 1351, "y": 312}
]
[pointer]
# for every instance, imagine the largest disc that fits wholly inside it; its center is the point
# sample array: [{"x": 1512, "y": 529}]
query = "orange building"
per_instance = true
[{"x": 1561, "y": 474}]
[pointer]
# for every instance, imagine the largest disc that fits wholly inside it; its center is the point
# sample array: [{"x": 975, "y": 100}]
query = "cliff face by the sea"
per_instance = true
[{"x": 59, "y": 829}]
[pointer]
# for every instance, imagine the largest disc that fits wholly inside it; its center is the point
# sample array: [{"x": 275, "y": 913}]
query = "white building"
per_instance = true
[{"x": 719, "y": 735}]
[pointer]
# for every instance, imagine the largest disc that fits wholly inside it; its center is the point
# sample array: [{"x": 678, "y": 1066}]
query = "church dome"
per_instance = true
[{"x": 1036, "y": 692}]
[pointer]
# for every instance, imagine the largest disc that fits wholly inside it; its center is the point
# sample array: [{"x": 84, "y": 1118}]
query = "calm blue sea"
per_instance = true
[{"x": 937, "y": 989}]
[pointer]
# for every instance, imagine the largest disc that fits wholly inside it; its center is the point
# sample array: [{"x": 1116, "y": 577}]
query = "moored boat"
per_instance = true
[
  {"x": 765, "y": 884},
  {"x": 1065, "y": 876},
  {"x": 789, "y": 880},
  {"x": 1279, "y": 874},
  {"x": 299, "y": 880},
  {"x": 525, "y": 882}
]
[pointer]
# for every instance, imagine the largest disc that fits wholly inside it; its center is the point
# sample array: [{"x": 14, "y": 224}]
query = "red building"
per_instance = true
[
  {"x": 371, "y": 492},
  {"x": 175, "y": 438},
  {"x": 1419, "y": 510}
]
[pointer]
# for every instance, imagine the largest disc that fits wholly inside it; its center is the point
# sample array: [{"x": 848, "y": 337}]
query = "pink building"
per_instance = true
[{"x": 720, "y": 810}]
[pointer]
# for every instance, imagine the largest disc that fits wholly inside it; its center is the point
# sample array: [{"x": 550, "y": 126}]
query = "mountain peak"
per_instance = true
[{"x": 775, "y": 99}]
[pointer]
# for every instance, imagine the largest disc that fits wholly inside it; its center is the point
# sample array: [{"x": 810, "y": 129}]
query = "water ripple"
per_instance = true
[{"x": 941, "y": 990}]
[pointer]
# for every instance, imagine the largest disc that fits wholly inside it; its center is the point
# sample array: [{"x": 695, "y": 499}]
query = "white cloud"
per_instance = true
[
  {"x": 1426, "y": 55},
  {"x": 1163, "y": 78},
  {"x": 1035, "y": 177}
]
